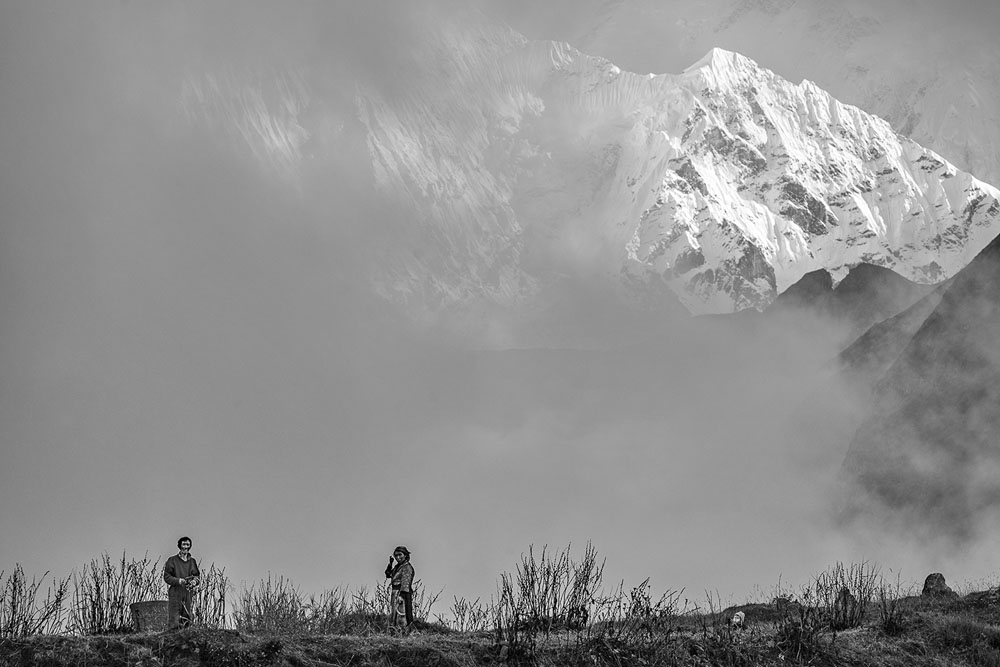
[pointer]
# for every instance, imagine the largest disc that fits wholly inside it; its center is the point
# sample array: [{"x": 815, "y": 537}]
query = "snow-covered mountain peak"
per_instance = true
[
  {"x": 721, "y": 66},
  {"x": 524, "y": 164},
  {"x": 797, "y": 181}
]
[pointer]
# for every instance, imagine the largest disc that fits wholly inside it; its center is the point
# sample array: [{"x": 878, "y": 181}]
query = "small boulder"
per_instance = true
[
  {"x": 846, "y": 611},
  {"x": 934, "y": 586},
  {"x": 846, "y": 600}
]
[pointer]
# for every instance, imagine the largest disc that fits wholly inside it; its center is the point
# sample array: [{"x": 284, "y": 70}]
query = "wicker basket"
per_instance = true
[{"x": 150, "y": 616}]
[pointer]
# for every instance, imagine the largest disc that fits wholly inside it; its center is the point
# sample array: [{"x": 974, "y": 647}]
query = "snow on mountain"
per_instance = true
[
  {"x": 520, "y": 164},
  {"x": 798, "y": 181}
]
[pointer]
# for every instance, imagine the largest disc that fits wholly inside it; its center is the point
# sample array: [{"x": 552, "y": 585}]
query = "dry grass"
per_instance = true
[
  {"x": 552, "y": 610},
  {"x": 23, "y": 611},
  {"x": 276, "y": 606}
]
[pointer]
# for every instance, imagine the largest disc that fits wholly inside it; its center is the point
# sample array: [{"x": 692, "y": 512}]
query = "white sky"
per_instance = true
[{"x": 189, "y": 347}]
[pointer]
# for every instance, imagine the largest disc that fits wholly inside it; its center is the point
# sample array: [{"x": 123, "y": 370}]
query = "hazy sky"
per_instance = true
[
  {"x": 189, "y": 346},
  {"x": 669, "y": 35}
]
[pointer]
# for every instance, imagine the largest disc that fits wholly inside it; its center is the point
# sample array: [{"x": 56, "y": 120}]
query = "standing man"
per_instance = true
[
  {"x": 400, "y": 573},
  {"x": 181, "y": 573}
]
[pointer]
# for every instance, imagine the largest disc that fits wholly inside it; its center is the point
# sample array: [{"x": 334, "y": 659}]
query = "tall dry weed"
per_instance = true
[
  {"x": 547, "y": 593},
  {"x": 23, "y": 612},
  {"x": 210, "y": 599},
  {"x": 466, "y": 616},
  {"x": 891, "y": 615},
  {"x": 845, "y": 593}
]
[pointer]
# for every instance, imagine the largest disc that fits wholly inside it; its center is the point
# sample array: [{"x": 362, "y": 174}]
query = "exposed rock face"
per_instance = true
[{"x": 935, "y": 586}]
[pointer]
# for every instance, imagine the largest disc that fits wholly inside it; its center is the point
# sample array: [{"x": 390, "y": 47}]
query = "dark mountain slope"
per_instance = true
[
  {"x": 869, "y": 357},
  {"x": 932, "y": 436},
  {"x": 868, "y": 295},
  {"x": 828, "y": 416}
]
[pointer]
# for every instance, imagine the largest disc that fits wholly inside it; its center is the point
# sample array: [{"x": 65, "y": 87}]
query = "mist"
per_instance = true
[
  {"x": 923, "y": 459},
  {"x": 190, "y": 345}
]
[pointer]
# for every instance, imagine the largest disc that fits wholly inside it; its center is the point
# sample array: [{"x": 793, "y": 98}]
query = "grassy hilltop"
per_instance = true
[{"x": 553, "y": 610}]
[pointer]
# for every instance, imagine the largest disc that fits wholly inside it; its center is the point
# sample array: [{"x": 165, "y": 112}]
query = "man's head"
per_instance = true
[{"x": 184, "y": 544}]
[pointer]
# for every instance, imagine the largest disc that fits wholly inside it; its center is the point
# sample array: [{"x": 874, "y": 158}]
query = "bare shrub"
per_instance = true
[
  {"x": 467, "y": 616},
  {"x": 844, "y": 593},
  {"x": 509, "y": 627},
  {"x": 209, "y": 604},
  {"x": 104, "y": 589},
  {"x": 337, "y": 611},
  {"x": 373, "y": 602},
  {"x": 891, "y": 620},
  {"x": 23, "y": 612},
  {"x": 800, "y": 625},
  {"x": 271, "y": 606},
  {"x": 423, "y": 601},
  {"x": 546, "y": 593},
  {"x": 635, "y": 618}
]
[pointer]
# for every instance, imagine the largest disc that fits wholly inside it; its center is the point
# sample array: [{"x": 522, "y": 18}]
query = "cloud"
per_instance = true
[{"x": 189, "y": 345}]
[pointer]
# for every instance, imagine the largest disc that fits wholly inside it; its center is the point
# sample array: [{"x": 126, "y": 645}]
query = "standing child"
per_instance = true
[{"x": 400, "y": 574}]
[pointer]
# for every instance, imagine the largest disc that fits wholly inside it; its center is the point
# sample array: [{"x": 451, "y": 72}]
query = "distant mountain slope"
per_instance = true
[
  {"x": 870, "y": 356},
  {"x": 827, "y": 417},
  {"x": 929, "y": 444}
]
